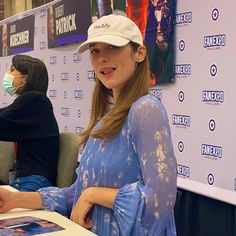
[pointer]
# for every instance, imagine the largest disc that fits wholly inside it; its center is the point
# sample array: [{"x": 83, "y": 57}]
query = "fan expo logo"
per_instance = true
[
  {"x": 78, "y": 94},
  {"x": 91, "y": 75},
  {"x": 65, "y": 111},
  {"x": 65, "y": 128},
  {"x": 156, "y": 92},
  {"x": 211, "y": 151},
  {"x": 43, "y": 12},
  {"x": 213, "y": 70},
  {"x": 181, "y": 45},
  {"x": 65, "y": 94},
  {"x": 76, "y": 57},
  {"x": 43, "y": 30},
  {"x": 64, "y": 76},
  {"x": 4, "y": 104},
  {"x": 210, "y": 179},
  {"x": 180, "y": 146},
  {"x": 64, "y": 59},
  {"x": 183, "y": 171},
  {"x": 215, "y": 14},
  {"x": 79, "y": 113},
  {"x": 212, "y": 125},
  {"x": 52, "y": 77},
  {"x": 182, "y": 70},
  {"x": 181, "y": 120},
  {"x": 52, "y": 93},
  {"x": 181, "y": 96},
  {"x": 79, "y": 129},
  {"x": 212, "y": 96},
  {"x": 183, "y": 18},
  {"x": 53, "y": 60},
  {"x": 214, "y": 41},
  {"x": 42, "y": 45}
]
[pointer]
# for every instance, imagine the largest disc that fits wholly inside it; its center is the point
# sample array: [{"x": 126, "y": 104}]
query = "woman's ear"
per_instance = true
[
  {"x": 140, "y": 53},
  {"x": 25, "y": 79}
]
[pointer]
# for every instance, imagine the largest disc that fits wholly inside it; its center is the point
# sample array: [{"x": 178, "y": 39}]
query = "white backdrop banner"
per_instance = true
[{"x": 200, "y": 103}]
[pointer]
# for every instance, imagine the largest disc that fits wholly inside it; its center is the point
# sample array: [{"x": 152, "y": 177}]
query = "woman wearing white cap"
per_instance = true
[{"x": 126, "y": 180}]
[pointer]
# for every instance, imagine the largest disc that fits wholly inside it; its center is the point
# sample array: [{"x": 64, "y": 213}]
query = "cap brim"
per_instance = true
[{"x": 109, "y": 39}]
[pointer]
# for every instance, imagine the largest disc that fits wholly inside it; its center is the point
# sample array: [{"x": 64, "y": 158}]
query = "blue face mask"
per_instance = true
[{"x": 8, "y": 84}]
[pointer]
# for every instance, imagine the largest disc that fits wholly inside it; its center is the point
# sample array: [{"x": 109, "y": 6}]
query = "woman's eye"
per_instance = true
[{"x": 93, "y": 51}]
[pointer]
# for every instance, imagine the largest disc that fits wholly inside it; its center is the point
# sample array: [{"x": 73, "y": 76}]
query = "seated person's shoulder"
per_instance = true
[
  {"x": 31, "y": 97},
  {"x": 33, "y": 94}
]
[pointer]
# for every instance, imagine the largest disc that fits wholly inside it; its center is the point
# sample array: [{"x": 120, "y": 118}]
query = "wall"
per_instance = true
[{"x": 200, "y": 103}]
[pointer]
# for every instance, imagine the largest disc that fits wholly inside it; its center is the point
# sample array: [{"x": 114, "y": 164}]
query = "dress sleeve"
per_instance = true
[
  {"x": 147, "y": 205},
  {"x": 59, "y": 200}
]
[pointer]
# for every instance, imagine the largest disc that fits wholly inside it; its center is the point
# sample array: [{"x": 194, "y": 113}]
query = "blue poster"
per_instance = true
[{"x": 68, "y": 22}]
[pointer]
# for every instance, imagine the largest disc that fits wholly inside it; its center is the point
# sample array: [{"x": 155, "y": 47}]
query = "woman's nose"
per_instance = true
[{"x": 103, "y": 56}]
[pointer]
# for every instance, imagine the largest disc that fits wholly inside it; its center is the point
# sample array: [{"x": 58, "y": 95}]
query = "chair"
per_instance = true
[
  {"x": 6, "y": 160},
  {"x": 68, "y": 159}
]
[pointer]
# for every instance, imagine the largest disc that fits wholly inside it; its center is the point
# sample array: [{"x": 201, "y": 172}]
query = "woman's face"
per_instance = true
[
  {"x": 51, "y": 26},
  {"x": 19, "y": 78},
  {"x": 113, "y": 65},
  {"x": 4, "y": 36}
]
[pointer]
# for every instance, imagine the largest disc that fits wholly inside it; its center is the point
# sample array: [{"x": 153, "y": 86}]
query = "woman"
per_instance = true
[
  {"x": 29, "y": 122},
  {"x": 5, "y": 48},
  {"x": 126, "y": 180}
]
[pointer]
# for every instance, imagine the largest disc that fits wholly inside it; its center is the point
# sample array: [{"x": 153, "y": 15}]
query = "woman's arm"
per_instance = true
[
  {"x": 93, "y": 195},
  {"x": 49, "y": 198},
  {"x": 10, "y": 200},
  {"x": 147, "y": 205},
  {"x": 101, "y": 196}
]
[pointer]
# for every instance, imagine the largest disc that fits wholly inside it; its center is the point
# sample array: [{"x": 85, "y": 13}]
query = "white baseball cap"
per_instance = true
[{"x": 113, "y": 29}]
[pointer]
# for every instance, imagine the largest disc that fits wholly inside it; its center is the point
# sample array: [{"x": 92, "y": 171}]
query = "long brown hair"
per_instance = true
[{"x": 136, "y": 87}]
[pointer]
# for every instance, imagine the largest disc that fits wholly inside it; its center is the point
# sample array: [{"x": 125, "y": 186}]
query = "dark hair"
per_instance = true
[{"x": 35, "y": 70}]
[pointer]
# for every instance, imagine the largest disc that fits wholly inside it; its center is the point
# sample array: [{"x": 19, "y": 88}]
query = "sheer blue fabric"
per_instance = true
[{"x": 140, "y": 162}]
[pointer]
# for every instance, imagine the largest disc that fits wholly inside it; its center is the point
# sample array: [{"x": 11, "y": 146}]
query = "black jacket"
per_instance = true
[{"x": 30, "y": 122}]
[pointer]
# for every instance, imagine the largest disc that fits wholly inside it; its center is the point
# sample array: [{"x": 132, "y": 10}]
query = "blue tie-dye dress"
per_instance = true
[{"x": 140, "y": 162}]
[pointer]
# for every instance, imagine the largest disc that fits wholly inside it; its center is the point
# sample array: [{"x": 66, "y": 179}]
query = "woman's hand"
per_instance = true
[
  {"x": 80, "y": 212},
  {"x": 6, "y": 200}
]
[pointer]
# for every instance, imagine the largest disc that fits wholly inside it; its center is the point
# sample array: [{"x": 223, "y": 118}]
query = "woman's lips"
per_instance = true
[{"x": 107, "y": 71}]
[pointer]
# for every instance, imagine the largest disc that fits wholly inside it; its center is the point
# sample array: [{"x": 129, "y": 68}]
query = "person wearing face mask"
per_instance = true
[
  {"x": 9, "y": 81},
  {"x": 30, "y": 123}
]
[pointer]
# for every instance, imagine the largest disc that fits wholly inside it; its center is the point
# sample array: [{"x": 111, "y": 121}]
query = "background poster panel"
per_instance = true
[
  {"x": 155, "y": 20},
  {"x": 21, "y": 35},
  {"x": 68, "y": 21}
]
